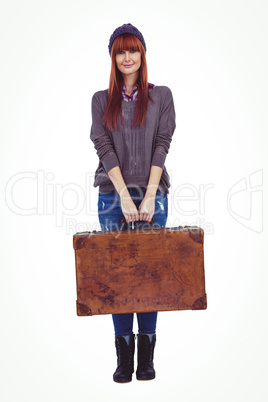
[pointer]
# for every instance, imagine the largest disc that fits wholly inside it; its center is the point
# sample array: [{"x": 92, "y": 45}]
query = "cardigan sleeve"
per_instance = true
[
  {"x": 100, "y": 136},
  {"x": 166, "y": 128}
]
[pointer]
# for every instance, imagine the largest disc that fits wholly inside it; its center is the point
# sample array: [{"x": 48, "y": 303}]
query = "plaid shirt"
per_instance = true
[{"x": 133, "y": 96}]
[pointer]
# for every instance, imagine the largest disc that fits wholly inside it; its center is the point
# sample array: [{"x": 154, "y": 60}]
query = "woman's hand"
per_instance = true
[
  {"x": 147, "y": 208},
  {"x": 129, "y": 209}
]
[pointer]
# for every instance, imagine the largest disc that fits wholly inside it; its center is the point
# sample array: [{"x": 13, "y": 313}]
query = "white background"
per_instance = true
[{"x": 54, "y": 56}]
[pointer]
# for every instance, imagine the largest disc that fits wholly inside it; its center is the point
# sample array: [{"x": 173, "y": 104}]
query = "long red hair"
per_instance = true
[{"x": 113, "y": 110}]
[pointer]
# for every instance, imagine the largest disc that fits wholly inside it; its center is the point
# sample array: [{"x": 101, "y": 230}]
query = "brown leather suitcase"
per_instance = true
[{"x": 140, "y": 270}]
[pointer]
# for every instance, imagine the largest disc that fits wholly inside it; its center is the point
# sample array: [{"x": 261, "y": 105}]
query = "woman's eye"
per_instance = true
[{"x": 123, "y": 51}]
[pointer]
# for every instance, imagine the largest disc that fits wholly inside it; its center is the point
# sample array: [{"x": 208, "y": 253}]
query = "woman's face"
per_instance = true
[{"x": 128, "y": 62}]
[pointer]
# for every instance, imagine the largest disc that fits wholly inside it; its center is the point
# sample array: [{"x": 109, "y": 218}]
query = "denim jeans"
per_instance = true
[{"x": 110, "y": 216}]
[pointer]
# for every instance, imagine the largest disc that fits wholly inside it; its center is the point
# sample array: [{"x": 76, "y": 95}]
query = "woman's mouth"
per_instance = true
[{"x": 128, "y": 65}]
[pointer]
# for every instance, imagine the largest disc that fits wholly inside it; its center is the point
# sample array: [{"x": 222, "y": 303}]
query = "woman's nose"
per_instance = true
[{"x": 127, "y": 56}]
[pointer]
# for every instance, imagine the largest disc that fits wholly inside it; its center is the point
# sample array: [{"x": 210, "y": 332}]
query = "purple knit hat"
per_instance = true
[{"x": 126, "y": 28}]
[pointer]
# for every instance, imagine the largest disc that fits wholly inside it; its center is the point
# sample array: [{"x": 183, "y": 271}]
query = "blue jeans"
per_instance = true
[{"x": 110, "y": 215}]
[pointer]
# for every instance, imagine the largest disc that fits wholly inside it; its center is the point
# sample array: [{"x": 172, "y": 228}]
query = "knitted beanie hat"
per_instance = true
[{"x": 126, "y": 28}]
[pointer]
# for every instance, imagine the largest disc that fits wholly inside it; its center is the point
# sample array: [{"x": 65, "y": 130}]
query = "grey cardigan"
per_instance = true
[{"x": 134, "y": 150}]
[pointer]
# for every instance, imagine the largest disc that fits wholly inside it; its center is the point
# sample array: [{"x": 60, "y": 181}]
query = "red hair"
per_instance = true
[{"x": 113, "y": 110}]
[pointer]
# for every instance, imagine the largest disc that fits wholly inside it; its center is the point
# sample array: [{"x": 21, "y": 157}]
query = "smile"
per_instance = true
[{"x": 127, "y": 65}]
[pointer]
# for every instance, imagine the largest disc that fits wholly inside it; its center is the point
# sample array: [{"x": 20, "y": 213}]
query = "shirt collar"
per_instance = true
[
  {"x": 134, "y": 95},
  {"x": 129, "y": 97}
]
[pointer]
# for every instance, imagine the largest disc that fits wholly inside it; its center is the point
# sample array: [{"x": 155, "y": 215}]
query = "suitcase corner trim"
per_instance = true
[
  {"x": 200, "y": 303},
  {"x": 82, "y": 309}
]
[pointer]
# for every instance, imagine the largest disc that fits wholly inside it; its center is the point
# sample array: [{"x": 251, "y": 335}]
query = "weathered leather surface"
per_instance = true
[{"x": 153, "y": 269}]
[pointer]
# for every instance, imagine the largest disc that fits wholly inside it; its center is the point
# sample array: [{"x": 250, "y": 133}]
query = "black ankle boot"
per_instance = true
[
  {"x": 145, "y": 370},
  {"x": 125, "y": 358}
]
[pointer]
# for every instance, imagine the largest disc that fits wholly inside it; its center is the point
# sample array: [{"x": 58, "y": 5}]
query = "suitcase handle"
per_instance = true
[{"x": 123, "y": 222}]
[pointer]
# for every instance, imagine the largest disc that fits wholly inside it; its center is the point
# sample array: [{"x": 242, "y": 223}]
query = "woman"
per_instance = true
[{"x": 132, "y": 126}]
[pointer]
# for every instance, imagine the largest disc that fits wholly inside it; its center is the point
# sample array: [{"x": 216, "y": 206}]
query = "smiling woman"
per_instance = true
[
  {"x": 127, "y": 50},
  {"x": 132, "y": 126},
  {"x": 129, "y": 62}
]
